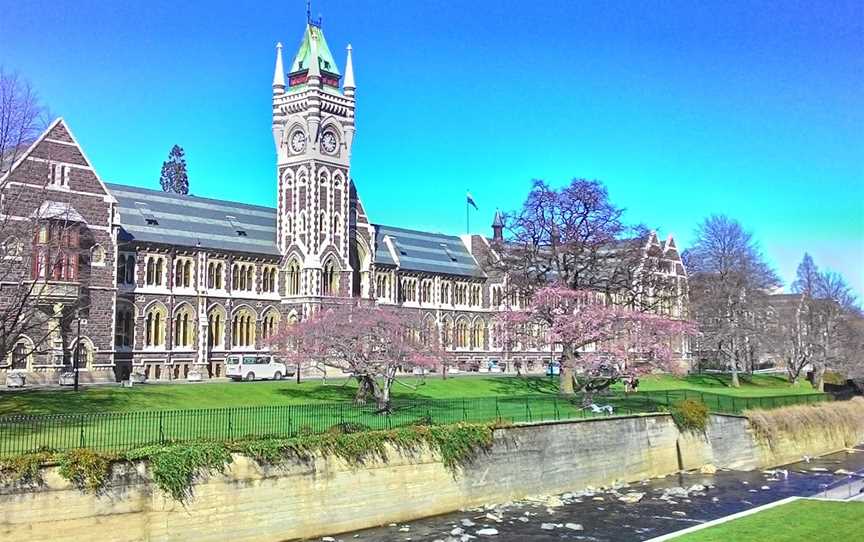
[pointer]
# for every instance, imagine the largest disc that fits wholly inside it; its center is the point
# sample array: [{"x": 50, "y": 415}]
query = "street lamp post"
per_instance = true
[{"x": 77, "y": 350}]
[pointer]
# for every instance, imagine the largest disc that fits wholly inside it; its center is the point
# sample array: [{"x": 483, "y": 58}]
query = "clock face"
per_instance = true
[
  {"x": 328, "y": 142},
  {"x": 298, "y": 141}
]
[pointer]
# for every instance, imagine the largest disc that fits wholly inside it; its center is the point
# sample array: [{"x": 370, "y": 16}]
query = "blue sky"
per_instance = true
[{"x": 753, "y": 109}]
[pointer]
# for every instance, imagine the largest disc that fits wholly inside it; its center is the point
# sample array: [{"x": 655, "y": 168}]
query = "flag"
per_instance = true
[{"x": 471, "y": 201}]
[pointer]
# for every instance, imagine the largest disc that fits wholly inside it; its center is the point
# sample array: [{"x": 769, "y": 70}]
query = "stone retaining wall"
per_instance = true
[{"x": 305, "y": 500}]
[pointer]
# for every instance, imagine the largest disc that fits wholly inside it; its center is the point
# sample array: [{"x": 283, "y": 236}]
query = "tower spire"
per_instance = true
[
  {"x": 498, "y": 226},
  {"x": 279, "y": 72},
  {"x": 349, "y": 74},
  {"x": 314, "y": 68}
]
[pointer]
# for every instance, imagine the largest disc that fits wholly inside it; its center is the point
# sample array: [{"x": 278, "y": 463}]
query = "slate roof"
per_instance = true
[
  {"x": 191, "y": 221},
  {"x": 424, "y": 251}
]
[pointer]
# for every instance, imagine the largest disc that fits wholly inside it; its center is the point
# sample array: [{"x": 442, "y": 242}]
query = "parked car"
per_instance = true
[{"x": 255, "y": 367}]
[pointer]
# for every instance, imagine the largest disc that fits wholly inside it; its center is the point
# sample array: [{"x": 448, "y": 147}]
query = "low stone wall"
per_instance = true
[{"x": 309, "y": 499}]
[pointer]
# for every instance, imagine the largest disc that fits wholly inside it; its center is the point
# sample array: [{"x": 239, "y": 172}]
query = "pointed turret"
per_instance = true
[
  {"x": 302, "y": 67},
  {"x": 279, "y": 72},
  {"x": 498, "y": 226},
  {"x": 348, "y": 85},
  {"x": 314, "y": 74}
]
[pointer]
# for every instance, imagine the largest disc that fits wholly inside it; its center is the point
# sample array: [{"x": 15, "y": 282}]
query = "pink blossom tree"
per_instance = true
[
  {"x": 601, "y": 342},
  {"x": 370, "y": 343}
]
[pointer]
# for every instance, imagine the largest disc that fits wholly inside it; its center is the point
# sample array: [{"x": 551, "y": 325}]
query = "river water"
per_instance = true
[{"x": 669, "y": 504}]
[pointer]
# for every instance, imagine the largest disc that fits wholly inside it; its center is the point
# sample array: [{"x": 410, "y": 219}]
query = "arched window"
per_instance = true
[
  {"x": 270, "y": 324},
  {"x": 445, "y": 294},
  {"x": 243, "y": 329},
  {"x": 427, "y": 331},
  {"x": 154, "y": 326},
  {"x": 216, "y": 327},
  {"x": 478, "y": 334},
  {"x": 97, "y": 255},
  {"x": 215, "y": 275},
  {"x": 322, "y": 223},
  {"x": 126, "y": 269},
  {"x": 183, "y": 273},
  {"x": 184, "y": 327},
  {"x": 21, "y": 355},
  {"x": 461, "y": 338},
  {"x": 447, "y": 332},
  {"x": 330, "y": 279},
  {"x": 150, "y": 276},
  {"x": 130, "y": 269},
  {"x": 382, "y": 286},
  {"x": 268, "y": 279},
  {"x": 334, "y": 225},
  {"x": 293, "y": 277},
  {"x": 125, "y": 326},
  {"x": 301, "y": 226},
  {"x": 86, "y": 353}
]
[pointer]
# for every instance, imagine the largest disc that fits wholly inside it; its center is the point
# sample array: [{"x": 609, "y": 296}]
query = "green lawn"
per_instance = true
[
  {"x": 810, "y": 520},
  {"x": 755, "y": 386},
  {"x": 114, "y": 418},
  {"x": 234, "y": 394}
]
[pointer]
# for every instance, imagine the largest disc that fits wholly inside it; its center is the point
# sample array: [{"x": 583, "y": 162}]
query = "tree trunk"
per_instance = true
[
  {"x": 383, "y": 396},
  {"x": 444, "y": 368},
  {"x": 819, "y": 379},
  {"x": 735, "y": 382},
  {"x": 365, "y": 388},
  {"x": 565, "y": 375}
]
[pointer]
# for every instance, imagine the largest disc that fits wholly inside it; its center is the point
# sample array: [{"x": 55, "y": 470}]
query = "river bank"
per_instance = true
[{"x": 668, "y": 504}]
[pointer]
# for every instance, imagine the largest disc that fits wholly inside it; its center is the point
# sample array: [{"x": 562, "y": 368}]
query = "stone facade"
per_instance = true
[{"x": 181, "y": 282}]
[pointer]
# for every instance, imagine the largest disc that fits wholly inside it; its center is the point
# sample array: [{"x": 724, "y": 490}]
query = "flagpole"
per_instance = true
[{"x": 467, "y": 218}]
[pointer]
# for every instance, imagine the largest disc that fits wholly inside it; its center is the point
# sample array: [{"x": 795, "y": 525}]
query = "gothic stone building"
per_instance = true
[{"x": 173, "y": 283}]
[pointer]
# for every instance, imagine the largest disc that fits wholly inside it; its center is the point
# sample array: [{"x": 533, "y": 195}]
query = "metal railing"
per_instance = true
[{"x": 119, "y": 431}]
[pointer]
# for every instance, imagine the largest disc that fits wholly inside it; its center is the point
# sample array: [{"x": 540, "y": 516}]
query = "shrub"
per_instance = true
[
  {"x": 690, "y": 415},
  {"x": 24, "y": 468},
  {"x": 845, "y": 418},
  {"x": 175, "y": 466},
  {"x": 85, "y": 468},
  {"x": 833, "y": 377}
]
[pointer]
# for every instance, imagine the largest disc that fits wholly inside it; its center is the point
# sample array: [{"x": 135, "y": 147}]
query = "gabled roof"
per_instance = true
[
  {"x": 424, "y": 251},
  {"x": 325, "y": 58},
  {"x": 191, "y": 221}
]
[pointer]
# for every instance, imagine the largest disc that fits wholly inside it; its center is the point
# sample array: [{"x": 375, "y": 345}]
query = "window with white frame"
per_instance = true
[
  {"x": 155, "y": 271},
  {"x": 183, "y": 273}
]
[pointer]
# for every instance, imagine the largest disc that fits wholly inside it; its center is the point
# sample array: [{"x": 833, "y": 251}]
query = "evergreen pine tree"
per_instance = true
[
  {"x": 806, "y": 277},
  {"x": 174, "y": 177}
]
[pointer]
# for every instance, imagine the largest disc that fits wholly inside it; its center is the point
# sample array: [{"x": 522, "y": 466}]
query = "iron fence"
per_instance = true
[{"x": 119, "y": 431}]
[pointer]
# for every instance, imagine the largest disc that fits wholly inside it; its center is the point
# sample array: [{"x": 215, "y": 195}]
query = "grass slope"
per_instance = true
[
  {"x": 231, "y": 394},
  {"x": 810, "y": 520}
]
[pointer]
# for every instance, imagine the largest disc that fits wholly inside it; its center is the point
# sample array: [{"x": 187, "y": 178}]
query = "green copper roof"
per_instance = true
[{"x": 325, "y": 58}]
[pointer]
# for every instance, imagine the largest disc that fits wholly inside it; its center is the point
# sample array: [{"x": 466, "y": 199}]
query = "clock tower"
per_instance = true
[{"x": 313, "y": 129}]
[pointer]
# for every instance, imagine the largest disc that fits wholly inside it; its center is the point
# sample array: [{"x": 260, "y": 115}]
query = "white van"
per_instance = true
[{"x": 255, "y": 367}]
